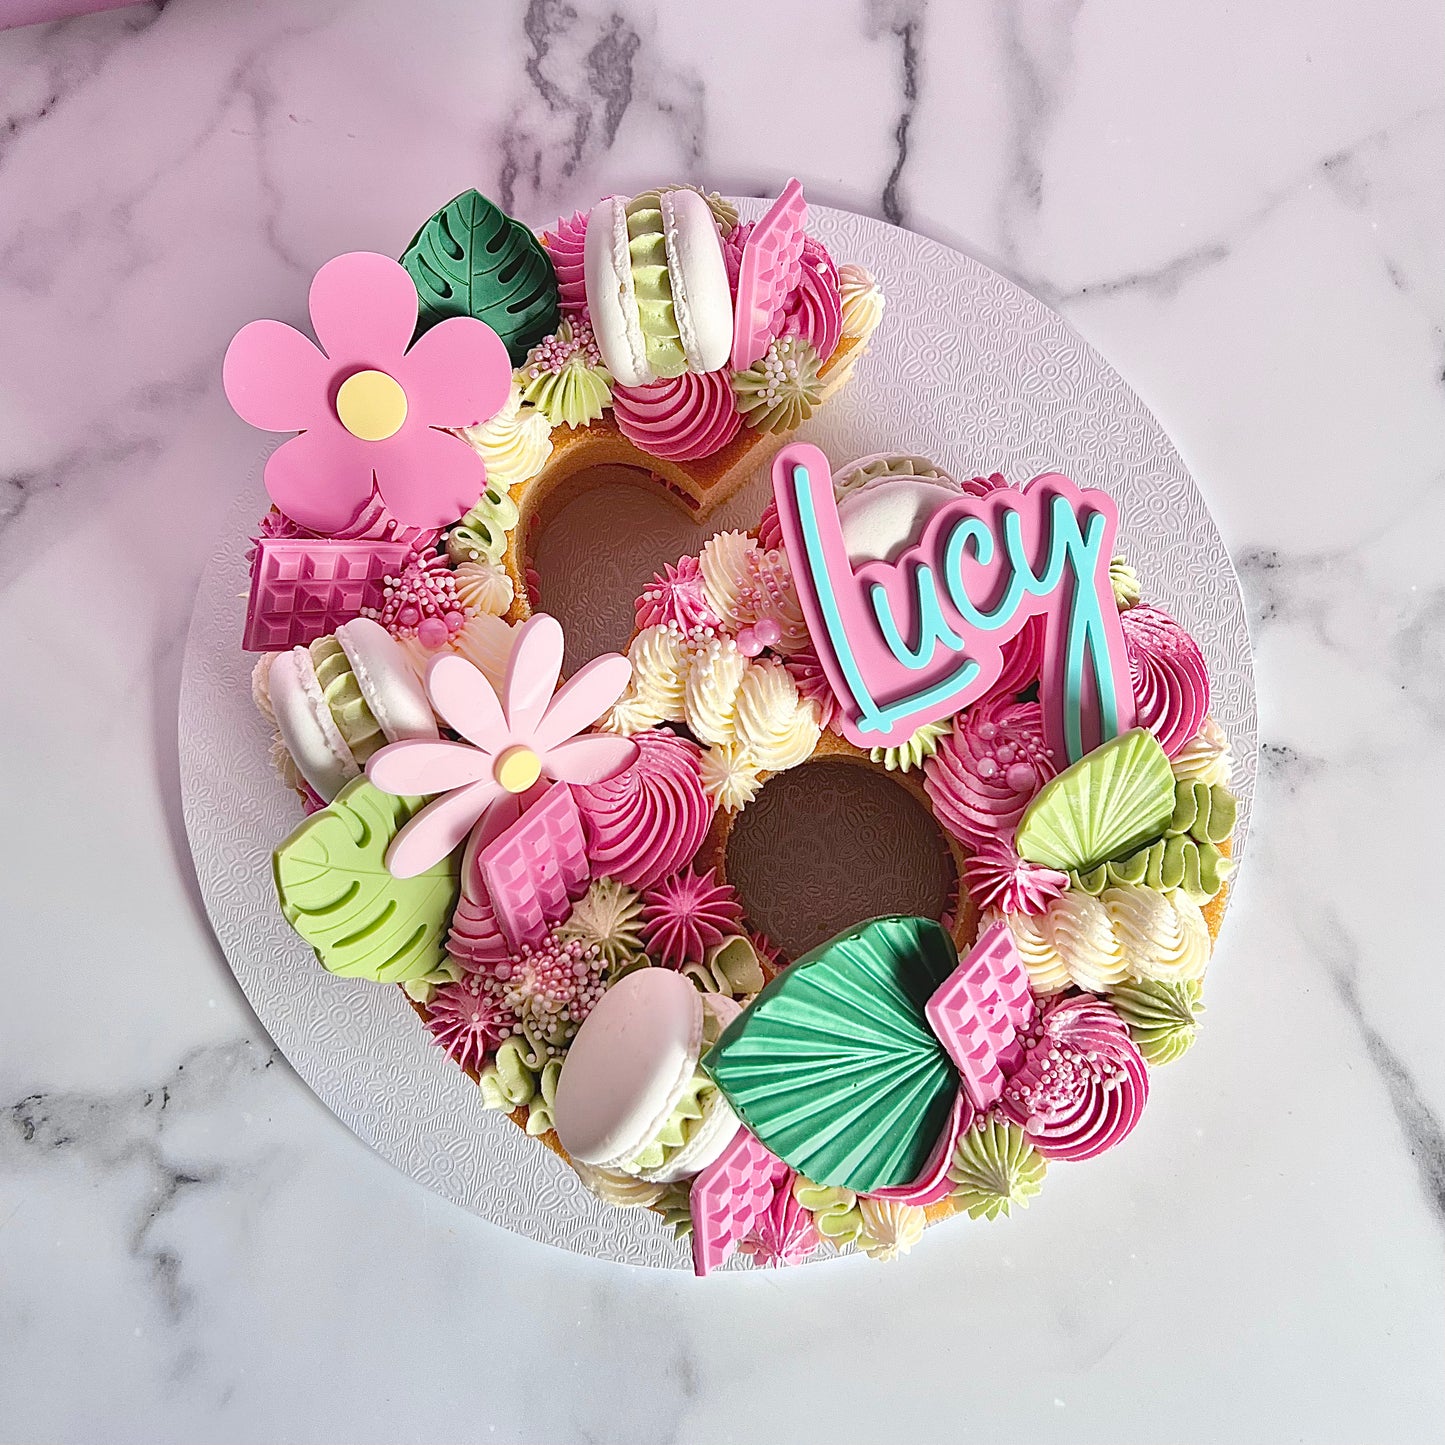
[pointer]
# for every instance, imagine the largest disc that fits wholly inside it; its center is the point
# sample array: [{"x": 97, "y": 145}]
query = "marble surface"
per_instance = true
[{"x": 1240, "y": 207}]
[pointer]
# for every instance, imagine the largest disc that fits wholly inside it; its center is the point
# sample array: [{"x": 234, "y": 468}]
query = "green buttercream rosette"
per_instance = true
[
  {"x": 780, "y": 391},
  {"x": 481, "y": 536},
  {"x": 995, "y": 1167},
  {"x": 1163, "y": 1018},
  {"x": 608, "y": 916},
  {"x": 912, "y": 753}
]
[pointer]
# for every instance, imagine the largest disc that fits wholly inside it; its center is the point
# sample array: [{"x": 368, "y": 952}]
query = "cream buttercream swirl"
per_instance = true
[
  {"x": 1162, "y": 936},
  {"x": 660, "y": 663},
  {"x": 680, "y": 419},
  {"x": 1205, "y": 758},
  {"x": 730, "y": 774},
  {"x": 710, "y": 693},
  {"x": 771, "y": 721},
  {"x": 724, "y": 562},
  {"x": 484, "y": 587},
  {"x": 514, "y": 444},
  {"x": 862, "y": 302},
  {"x": 890, "y": 1227},
  {"x": 650, "y": 819}
]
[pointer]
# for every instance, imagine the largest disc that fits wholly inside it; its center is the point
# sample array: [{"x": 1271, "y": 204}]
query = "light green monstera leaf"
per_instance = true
[
  {"x": 834, "y": 1066},
  {"x": 336, "y": 892},
  {"x": 472, "y": 259}
]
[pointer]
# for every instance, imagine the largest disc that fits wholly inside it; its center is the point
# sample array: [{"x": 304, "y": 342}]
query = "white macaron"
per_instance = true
[
  {"x": 308, "y": 727},
  {"x": 885, "y": 502},
  {"x": 702, "y": 300},
  {"x": 611, "y": 296},
  {"x": 697, "y": 275},
  {"x": 629, "y": 1066}
]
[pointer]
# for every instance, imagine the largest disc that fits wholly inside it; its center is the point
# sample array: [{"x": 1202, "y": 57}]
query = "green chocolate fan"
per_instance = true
[
  {"x": 835, "y": 1068},
  {"x": 472, "y": 259},
  {"x": 337, "y": 893},
  {"x": 1107, "y": 804}
]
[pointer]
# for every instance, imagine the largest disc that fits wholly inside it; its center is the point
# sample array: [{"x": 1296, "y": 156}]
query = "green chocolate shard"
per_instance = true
[
  {"x": 1104, "y": 806},
  {"x": 336, "y": 892},
  {"x": 834, "y": 1066},
  {"x": 472, "y": 259}
]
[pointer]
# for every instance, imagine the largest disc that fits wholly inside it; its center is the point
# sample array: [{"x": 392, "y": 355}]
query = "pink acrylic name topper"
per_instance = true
[
  {"x": 534, "y": 871},
  {"x": 369, "y": 410},
  {"x": 304, "y": 587},
  {"x": 771, "y": 264},
  {"x": 981, "y": 1011},
  {"x": 728, "y": 1196},
  {"x": 913, "y": 641}
]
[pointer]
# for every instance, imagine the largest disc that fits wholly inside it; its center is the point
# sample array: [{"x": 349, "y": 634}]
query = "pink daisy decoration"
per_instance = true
[
  {"x": 468, "y": 1022},
  {"x": 683, "y": 916},
  {"x": 997, "y": 877},
  {"x": 369, "y": 411},
  {"x": 676, "y": 595},
  {"x": 510, "y": 742}
]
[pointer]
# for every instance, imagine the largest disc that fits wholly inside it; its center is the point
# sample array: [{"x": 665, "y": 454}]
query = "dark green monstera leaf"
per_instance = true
[
  {"x": 835, "y": 1068},
  {"x": 472, "y": 259}
]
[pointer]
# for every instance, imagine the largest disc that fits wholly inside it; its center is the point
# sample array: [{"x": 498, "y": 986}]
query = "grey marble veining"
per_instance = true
[{"x": 1239, "y": 207}]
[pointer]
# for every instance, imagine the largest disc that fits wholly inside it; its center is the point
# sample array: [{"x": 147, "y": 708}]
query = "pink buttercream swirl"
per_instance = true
[
  {"x": 987, "y": 769},
  {"x": 565, "y": 243},
  {"x": 814, "y": 310},
  {"x": 676, "y": 595},
  {"x": 1171, "y": 681},
  {"x": 770, "y": 529},
  {"x": 783, "y": 1233},
  {"x": 686, "y": 914},
  {"x": 372, "y": 524},
  {"x": 1023, "y": 661},
  {"x": 1082, "y": 1083},
  {"x": 476, "y": 940},
  {"x": 813, "y": 685},
  {"x": 650, "y": 819},
  {"x": 681, "y": 419},
  {"x": 997, "y": 877}
]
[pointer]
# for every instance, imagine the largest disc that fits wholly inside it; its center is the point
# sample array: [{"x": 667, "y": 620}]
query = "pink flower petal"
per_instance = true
[
  {"x": 320, "y": 479},
  {"x": 457, "y": 374},
  {"x": 363, "y": 307},
  {"x": 438, "y": 828},
  {"x": 427, "y": 478},
  {"x": 532, "y": 673},
  {"x": 418, "y": 766},
  {"x": 590, "y": 759},
  {"x": 582, "y": 700},
  {"x": 275, "y": 378},
  {"x": 460, "y": 692}
]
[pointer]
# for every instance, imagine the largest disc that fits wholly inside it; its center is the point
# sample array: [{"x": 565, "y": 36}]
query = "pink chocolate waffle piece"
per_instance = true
[
  {"x": 728, "y": 1197},
  {"x": 305, "y": 587}
]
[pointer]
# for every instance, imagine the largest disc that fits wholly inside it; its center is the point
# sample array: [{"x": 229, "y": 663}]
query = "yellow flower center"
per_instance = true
[
  {"x": 517, "y": 769},
  {"x": 371, "y": 405}
]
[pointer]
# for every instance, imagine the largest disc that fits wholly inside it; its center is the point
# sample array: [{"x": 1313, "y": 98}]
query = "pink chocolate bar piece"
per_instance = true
[
  {"x": 771, "y": 265},
  {"x": 727, "y": 1198},
  {"x": 979, "y": 1012},
  {"x": 304, "y": 587},
  {"x": 534, "y": 870}
]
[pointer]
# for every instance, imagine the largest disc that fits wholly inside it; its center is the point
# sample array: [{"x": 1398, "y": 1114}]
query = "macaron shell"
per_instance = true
[
  {"x": 714, "y": 1131},
  {"x": 306, "y": 726},
  {"x": 387, "y": 681},
  {"x": 611, "y": 299},
  {"x": 882, "y": 518},
  {"x": 628, "y": 1066},
  {"x": 701, "y": 297}
]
